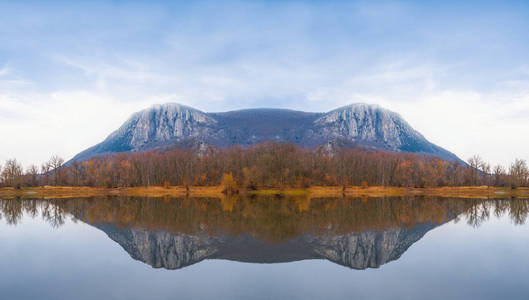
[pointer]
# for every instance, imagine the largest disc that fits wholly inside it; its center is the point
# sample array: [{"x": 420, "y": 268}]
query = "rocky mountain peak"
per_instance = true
[
  {"x": 176, "y": 125},
  {"x": 368, "y": 123}
]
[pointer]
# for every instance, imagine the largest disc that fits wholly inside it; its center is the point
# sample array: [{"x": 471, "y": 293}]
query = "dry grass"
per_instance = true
[
  {"x": 460, "y": 192},
  {"x": 73, "y": 192},
  {"x": 216, "y": 191}
]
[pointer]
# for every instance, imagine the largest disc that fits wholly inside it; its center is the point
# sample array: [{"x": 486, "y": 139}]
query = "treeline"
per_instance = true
[{"x": 265, "y": 165}]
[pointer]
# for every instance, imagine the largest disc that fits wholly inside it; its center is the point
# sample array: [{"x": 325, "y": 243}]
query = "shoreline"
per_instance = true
[{"x": 216, "y": 192}]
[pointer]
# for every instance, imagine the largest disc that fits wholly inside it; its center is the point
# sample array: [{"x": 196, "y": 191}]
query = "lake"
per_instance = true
[{"x": 264, "y": 247}]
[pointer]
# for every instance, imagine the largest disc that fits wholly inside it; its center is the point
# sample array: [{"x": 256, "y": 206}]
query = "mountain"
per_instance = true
[
  {"x": 362, "y": 250},
  {"x": 175, "y": 125}
]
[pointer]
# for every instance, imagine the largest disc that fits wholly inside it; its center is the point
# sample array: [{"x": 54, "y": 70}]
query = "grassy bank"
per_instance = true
[
  {"x": 73, "y": 192},
  {"x": 216, "y": 191}
]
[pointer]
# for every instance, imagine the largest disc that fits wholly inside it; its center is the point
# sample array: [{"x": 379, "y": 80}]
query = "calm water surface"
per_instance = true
[{"x": 264, "y": 248}]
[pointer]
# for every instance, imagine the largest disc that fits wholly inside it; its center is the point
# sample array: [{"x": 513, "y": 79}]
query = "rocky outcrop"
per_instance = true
[
  {"x": 366, "y": 123},
  {"x": 160, "y": 126},
  {"x": 175, "y": 125},
  {"x": 164, "y": 123},
  {"x": 369, "y": 249}
]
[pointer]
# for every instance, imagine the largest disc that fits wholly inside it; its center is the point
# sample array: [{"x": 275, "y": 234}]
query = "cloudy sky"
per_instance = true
[{"x": 72, "y": 73}]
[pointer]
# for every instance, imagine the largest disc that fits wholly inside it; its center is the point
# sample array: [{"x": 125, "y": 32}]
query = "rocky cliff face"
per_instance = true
[
  {"x": 173, "y": 125},
  {"x": 164, "y": 123},
  {"x": 367, "y": 123},
  {"x": 369, "y": 249}
]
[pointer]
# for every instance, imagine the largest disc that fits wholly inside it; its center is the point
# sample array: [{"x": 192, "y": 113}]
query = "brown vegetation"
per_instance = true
[
  {"x": 268, "y": 165},
  {"x": 48, "y": 192}
]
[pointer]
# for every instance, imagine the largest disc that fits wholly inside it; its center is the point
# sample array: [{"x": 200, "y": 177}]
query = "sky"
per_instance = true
[{"x": 73, "y": 72}]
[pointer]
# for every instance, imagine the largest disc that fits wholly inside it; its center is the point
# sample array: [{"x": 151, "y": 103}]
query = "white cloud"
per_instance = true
[{"x": 63, "y": 123}]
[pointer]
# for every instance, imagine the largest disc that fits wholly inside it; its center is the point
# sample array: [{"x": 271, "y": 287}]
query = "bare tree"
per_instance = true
[
  {"x": 485, "y": 168},
  {"x": 476, "y": 164},
  {"x": 45, "y": 171},
  {"x": 519, "y": 173},
  {"x": 12, "y": 173},
  {"x": 56, "y": 166},
  {"x": 32, "y": 175},
  {"x": 499, "y": 175}
]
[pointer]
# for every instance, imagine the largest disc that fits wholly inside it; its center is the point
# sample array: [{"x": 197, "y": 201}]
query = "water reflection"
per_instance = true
[{"x": 174, "y": 233}]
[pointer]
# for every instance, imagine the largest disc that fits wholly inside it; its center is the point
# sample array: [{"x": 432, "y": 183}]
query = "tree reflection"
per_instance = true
[
  {"x": 12, "y": 211},
  {"x": 53, "y": 213},
  {"x": 478, "y": 214},
  {"x": 518, "y": 211},
  {"x": 266, "y": 217}
]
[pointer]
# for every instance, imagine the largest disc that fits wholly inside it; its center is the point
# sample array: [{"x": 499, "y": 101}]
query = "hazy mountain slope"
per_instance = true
[
  {"x": 251, "y": 126},
  {"x": 172, "y": 125}
]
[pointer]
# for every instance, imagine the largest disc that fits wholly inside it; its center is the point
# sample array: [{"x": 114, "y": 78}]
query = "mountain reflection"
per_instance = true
[{"x": 174, "y": 233}]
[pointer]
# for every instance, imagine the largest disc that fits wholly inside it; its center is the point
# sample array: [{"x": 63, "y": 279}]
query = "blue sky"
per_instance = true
[{"x": 70, "y": 73}]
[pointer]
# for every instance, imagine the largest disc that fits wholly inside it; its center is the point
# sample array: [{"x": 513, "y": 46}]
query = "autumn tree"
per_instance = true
[
  {"x": 228, "y": 184},
  {"x": 76, "y": 173},
  {"x": 271, "y": 165}
]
